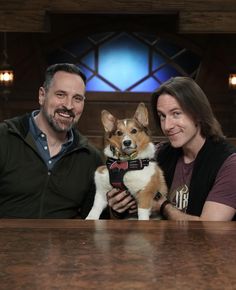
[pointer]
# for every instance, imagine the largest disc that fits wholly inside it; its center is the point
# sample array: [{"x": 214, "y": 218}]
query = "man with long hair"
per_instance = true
[{"x": 199, "y": 164}]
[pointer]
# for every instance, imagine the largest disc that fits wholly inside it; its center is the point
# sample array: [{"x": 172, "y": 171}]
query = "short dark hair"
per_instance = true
[
  {"x": 66, "y": 67},
  {"x": 193, "y": 101}
]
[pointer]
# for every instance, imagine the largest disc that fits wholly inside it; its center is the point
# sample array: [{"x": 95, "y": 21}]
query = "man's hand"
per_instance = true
[{"x": 120, "y": 201}]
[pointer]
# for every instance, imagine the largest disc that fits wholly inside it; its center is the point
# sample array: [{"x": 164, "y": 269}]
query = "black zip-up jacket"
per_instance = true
[{"x": 29, "y": 190}]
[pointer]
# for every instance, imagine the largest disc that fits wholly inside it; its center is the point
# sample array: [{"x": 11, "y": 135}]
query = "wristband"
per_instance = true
[{"x": 163, "y": 206}]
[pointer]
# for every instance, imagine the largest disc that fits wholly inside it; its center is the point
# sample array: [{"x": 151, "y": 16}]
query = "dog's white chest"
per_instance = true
[{"x": 135, "y": 180}]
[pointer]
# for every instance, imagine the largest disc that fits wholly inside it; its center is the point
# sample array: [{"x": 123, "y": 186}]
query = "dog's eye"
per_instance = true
[
  {"x": 133, "y": 131},
  {"x": 119, "y": 133}
]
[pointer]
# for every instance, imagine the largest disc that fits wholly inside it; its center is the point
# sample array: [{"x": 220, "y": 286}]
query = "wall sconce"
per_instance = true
[
  {"x": 232, "y": 81},
  {"x": 6, "y": 71}
]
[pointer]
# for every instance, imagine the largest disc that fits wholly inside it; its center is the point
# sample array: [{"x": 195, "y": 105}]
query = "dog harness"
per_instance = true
[{"x": 117, "y": 169}]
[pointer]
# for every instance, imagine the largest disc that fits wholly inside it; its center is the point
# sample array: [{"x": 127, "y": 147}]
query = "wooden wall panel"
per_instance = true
[
  {"x": 207, "y": 22},
  {"x": 24, "y": 21},
  {"x": 193, "y": 15}
]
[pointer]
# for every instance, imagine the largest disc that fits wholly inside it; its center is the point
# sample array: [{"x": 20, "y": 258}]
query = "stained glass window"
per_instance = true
[{"x": 127, "y": 62}]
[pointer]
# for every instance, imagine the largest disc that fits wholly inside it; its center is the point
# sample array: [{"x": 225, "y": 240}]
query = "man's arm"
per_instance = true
[
  {"x": 219, "y": 206},
  {"x": 220, "y": 203},
  {"x": 212, "y": 211}
]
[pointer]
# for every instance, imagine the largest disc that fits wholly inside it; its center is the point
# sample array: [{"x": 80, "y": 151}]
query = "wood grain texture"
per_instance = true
[
  {"x": 197, "y": 16},
  {"x": 76, "y": 254},
  {"x": 207, "y": 22},
  {"x": 23, "y": 21},
  {"x": 118, "y": 5}
]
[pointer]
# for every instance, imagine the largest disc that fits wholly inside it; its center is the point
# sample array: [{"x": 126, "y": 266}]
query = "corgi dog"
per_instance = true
[{"x": 130, "y": 163}]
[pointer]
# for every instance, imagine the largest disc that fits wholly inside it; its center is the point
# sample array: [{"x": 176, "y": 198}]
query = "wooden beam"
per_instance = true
[
  {"x": 91, "y": 6},
  {"x": 118, "y": 6},
  {"x": 23, "y": 21},
  {"x": 207, "y": 22},
  {"x": 202, "y": 16}
]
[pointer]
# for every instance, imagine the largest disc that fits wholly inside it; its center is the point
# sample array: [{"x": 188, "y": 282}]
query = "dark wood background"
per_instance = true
[{"x": 37, "y": 27}]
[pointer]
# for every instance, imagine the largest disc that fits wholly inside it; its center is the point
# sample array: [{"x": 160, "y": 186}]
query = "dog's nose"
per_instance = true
[{"x": 127, "y": 143}]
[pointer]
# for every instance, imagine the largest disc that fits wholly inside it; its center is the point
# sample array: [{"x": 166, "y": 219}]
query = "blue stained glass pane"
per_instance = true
[
  {"x": 87, "y": 72},
  {"x": 148, "y": 85},
  {"x": 166, "y": 72},
  {"x": 157, "y": 60},
  {"x": 79, "y": 47},
  {"x": 96, "y": 84},
  {"x": 123, "y": 61},
  {"x": 169, "y": 48},
  {"x": 89, "y": 60}
]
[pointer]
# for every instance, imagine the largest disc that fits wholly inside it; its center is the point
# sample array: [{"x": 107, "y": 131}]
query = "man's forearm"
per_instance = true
[{"x": 172, "y": 213}]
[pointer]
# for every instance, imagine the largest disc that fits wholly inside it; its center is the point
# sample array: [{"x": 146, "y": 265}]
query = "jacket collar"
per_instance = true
[{"x": 20, "y": 125}]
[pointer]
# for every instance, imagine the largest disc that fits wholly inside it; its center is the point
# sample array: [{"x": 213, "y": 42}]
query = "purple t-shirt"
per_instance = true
[{"x": 223, "y": 190}]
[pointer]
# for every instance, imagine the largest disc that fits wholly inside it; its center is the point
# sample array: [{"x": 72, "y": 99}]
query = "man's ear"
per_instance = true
[{"x": 42, "y": 95}]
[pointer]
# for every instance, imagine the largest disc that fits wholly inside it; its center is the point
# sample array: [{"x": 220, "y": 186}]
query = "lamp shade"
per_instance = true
[
  {"x": 6, "y": 77},
  {"x": 6, "y": 71},
  {"x": 232, "y": 81}
]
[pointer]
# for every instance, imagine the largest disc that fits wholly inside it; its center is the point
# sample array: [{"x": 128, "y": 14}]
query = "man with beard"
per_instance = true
[{"x": 46, "y": 166}]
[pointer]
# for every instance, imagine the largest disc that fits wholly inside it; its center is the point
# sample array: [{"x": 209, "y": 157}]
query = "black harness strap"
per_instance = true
[{"x": 117, "y": 169}]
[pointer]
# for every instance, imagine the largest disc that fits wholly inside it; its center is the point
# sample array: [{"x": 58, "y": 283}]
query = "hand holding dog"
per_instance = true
[{"x": 120, "y": 201}]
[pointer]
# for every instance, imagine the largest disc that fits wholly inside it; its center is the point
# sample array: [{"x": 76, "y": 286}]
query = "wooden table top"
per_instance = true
[{"x": 79, "y": 254}]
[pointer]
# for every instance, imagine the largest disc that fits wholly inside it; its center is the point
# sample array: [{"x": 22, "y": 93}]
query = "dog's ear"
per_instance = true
[
  {"x": 141, "y": 114},
  {"x": 108, "y": 121}
]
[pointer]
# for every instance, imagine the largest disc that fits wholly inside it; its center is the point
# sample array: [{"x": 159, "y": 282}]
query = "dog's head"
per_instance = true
[{"x": 126, "y": 138}]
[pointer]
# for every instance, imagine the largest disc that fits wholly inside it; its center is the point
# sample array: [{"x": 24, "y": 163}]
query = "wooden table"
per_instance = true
[{"x": 78, "y": 254}]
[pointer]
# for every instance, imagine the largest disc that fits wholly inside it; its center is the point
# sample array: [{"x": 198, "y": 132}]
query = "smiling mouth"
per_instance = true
[
  {"x": 172, "y": 134},
  {"x": 65, "y": 113}
]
